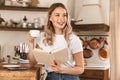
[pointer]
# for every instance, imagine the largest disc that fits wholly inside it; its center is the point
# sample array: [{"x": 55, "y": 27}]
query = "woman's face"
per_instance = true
[{"x": 59, "y": 18}]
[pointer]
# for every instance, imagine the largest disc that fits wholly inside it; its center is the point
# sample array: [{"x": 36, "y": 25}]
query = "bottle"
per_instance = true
[
  {"x": 36, "y": 23},
  {"x": 24, "y": 22}
]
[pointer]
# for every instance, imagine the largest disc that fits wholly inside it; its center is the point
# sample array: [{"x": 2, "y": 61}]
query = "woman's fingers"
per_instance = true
[{"x": 30, "y": 38}]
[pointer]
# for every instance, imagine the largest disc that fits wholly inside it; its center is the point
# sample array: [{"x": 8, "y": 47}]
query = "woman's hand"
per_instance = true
[
  {"x": 56, "y": 67},
  {"x": 31, "y": 41},
  {"x": 30, "y": 38},
  {"x": 31, "y": 47}
]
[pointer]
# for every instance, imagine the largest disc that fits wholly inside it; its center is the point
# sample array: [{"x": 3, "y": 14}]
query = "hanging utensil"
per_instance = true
[
  {"x": 87, "y": 53},
  {"x": 103, "y": 52},
  {"x": 94, "y": 43},
  {"x": 85, "y": 43}
]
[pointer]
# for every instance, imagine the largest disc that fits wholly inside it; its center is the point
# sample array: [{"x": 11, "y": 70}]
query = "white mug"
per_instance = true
[{"x": 34, "y": 33}]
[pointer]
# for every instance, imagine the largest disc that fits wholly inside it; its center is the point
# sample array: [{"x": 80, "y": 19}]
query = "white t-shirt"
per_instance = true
[{"x": 59, "y": 41}]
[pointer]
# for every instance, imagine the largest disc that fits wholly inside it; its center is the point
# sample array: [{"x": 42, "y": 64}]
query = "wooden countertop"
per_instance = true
[
  {"x": 27, "y": 72},
  {"x": 31, "y": 73}
]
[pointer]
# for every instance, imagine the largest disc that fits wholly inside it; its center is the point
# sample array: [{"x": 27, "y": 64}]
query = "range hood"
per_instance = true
[
  {"x": 90, "y": 17},
  {"x": 91, "y": 13}
]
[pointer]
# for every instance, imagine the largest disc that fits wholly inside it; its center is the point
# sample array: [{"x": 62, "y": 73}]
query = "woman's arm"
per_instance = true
[
  {"x": 79, "y": 64},
  {"x": 77, "y": 69},
  {"x": 31, "y": 57}
]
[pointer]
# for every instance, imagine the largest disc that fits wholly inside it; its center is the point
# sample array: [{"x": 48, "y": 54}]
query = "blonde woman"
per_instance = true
[{"x": 58, "y": 33}]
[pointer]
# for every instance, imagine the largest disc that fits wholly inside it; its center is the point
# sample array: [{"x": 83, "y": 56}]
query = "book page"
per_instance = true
[
  {"x": 42, "y": 57},
  {"x": 61, "y": 54}
]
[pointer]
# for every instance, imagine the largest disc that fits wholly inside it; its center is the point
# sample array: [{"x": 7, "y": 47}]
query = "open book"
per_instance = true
[{"x": 42, "y": 57}]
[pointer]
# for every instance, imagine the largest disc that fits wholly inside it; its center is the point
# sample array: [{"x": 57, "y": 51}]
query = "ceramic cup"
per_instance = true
[{"x": 34, "y": 33}]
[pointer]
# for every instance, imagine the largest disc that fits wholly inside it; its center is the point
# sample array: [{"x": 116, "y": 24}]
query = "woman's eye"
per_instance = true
[
  {"x": 57, "y": 15},
  {"x": 64, "y": 15}
]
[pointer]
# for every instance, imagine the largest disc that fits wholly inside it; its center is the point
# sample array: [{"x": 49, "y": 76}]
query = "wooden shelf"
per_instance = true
[
  {"x": 19, "y": 8},
  {"x": 91, "y": 27},
  {"x": 85, "y": 27},
  {"x": 3, "y": 28}
]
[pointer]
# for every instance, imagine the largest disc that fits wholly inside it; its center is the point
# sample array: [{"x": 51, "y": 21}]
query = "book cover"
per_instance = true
[{"x": 43, "y": 57}]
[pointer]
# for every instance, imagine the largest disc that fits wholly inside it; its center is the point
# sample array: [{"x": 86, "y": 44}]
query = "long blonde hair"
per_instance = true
[{"x": 49, "y": 29}]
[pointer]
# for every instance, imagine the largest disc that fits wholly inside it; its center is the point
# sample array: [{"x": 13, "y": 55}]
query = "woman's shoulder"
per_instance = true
[{"x": 73, "y": 36}]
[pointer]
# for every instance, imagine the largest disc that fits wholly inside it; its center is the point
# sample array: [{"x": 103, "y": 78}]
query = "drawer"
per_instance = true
[{"x": 93, "y": 73}]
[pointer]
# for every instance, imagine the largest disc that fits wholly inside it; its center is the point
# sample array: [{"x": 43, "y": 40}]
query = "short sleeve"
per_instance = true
[
  {"x": 75, "y": 44},
  {"x": 39, "y": 40}
]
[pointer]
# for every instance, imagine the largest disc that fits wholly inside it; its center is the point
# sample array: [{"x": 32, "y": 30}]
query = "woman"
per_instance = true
[{"x": 57, "y": 33}]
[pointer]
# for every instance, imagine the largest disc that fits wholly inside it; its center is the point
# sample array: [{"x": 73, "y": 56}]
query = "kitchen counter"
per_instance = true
[
  {"x": 93, "y": 74},
  {"x": 97, "y": 66},
  {"x": 27, "y": 74}
]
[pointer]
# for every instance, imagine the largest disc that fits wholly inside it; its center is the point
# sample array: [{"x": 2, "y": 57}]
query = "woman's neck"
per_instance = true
[{"x": 58, "y": 32}]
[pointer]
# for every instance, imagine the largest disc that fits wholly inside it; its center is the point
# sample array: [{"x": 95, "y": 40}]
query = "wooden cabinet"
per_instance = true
[
  {"x": 92, "y": 74},
  {"x": 5, "y": 28},
  {"x": 91, "y": 27},
  {"x": 30, "y": 74}
]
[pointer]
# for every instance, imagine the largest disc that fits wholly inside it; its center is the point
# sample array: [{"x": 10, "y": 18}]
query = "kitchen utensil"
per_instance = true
[
  {"x": 87, "y": 53},
  {"x": 101, "y": 39},
  {"x": 86, "y": 42},
  {"x": 94, "y": 43},
  {"x": 103, "y": 53}
]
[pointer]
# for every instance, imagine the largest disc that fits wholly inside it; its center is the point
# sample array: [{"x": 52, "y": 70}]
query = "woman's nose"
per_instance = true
[{"x": 62, "y": 19}]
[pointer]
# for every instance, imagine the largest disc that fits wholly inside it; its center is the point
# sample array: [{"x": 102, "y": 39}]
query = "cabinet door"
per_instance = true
[
  {"x": 89, "y": 73},
  {"x": 92, "y": 74}
]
